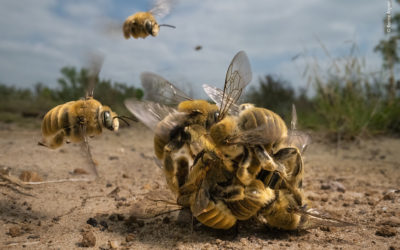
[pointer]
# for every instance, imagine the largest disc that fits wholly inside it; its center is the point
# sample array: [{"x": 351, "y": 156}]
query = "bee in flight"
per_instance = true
[
  {"x": 75, "y": 121},
  {"x": 143, "y": 24}
]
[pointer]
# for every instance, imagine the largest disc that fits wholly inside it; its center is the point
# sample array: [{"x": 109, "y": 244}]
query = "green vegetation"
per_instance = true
[
  {"x": 347, "y": 100},
  {"x": 16, "y": 104}
]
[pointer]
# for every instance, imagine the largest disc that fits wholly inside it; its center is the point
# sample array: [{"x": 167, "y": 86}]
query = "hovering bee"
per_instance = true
[
  {"x": 143, "y": 24},
  {"x": 74, "y": 121}
]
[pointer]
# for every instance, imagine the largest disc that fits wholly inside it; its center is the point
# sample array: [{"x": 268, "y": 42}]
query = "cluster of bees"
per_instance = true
[{"x": 225, "y": 161}]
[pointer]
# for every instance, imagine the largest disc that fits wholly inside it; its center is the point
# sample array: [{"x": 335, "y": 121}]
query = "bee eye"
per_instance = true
[
  {"x": 216, "y": 114},
  {"x": 107, "y": 120},
  {"x": 148, "y": 26}
]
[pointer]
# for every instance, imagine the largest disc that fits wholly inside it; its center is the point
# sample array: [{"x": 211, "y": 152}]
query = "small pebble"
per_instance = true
[
  {"x": 104, "y": 225},
  {"x": 14, "y": 231},
  {"x": 325, "y": 186},
  {"x": 114, "y": 244},
  {"x": 79, "y": 171},
  {"x": 88, "y": 239},
  {"x": 92, "y": 222},
  {"x": 29, "y": 176},
  {"x": 130, "y": 237}
]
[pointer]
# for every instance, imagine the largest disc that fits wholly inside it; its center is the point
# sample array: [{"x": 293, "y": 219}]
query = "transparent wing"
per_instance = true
[
  {"x": 202, "y": 199},
  {"x": 149, "y": 113},
  {"x": 162, "y": 8},
  {"x": 95, "y": 64},
  {"x": 154, "y": 204},
  {"x": 160, "y": 90},
  {"x": 216, "y": 95},
  {"x": 237, "y": 78},
  {"x": 93, "y": 164},
  {"x": 312, "y": 218},
  {"x": 297, "y": 138}
]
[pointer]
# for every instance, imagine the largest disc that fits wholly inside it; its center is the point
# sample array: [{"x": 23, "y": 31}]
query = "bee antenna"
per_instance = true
[
  {"x": 167, "y": 25},
  {"x": 122, "y": 118}
]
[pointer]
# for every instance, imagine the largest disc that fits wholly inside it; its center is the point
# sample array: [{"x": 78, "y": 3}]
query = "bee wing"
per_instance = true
[
  {"x": 160, "y": 90},
  {"x": 297, "y": 138},
  {"x": 238, "y": 76},
  {"x": 154, "y": 204},
  {"x": 216, "y": 95},
  {"x": 312, "y": 218},
  {"x": 162, "y": 8},
  {"x": 202, "y": 199},
  {"x": 293, "y": 122},
  {"x": 149, "y": 113},
  {"x": 93, "y": 164},
  {"x": 95, "y": 64}
]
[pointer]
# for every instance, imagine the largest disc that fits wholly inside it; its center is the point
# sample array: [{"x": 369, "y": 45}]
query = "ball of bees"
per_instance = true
[{"x": 227, "y": 162}]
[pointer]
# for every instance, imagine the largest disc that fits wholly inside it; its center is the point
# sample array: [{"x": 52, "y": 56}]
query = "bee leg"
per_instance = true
[
  {"x": 170, "y": 172},
  {"x": 292, "y": 159},
  {"x": 242, "y": 173},
  {"x": 255, "y": 197},
  {"x": 229, "y": 194},
  {"x": 42, "y": 143},
  {"x": 55, "y": 142},
  {"x": 267, "y": 162}
]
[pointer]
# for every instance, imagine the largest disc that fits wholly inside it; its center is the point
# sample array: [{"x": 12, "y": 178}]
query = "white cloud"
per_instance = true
[{"x": 39, "y": 37}]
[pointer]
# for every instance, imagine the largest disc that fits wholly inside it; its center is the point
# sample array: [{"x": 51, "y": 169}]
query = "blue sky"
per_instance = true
[{"x": 39, "y": 37}]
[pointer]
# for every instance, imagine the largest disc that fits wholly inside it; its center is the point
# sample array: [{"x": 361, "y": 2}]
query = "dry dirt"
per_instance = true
[{"x": 358, "y": 183}]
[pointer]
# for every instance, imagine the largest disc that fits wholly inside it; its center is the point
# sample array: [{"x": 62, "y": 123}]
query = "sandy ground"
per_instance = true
[{"x": 356, "y": 183}]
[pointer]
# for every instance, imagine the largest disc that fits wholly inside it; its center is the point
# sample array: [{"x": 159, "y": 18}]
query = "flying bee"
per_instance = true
[
  {"x": 143, "y": 24},
  {"x": 75, "y": 121},
  {"x": 174, "y": 145}
]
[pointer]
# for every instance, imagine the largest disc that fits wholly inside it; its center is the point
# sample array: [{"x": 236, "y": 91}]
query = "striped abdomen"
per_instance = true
[
  {"x": 274, "y": 129},
  {"x": 216, "y": 215},
  {"x": 255, "y": 197},
  {"x": 69, "y": 120}
]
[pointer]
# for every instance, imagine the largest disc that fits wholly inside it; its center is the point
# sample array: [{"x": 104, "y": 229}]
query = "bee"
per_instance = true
[
  {"x": 75, "y": 121},
  {"x": 143, "y": 24},
  {"x": 174, "y": 145}
]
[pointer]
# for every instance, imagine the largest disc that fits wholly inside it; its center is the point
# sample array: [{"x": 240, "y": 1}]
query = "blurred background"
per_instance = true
[{"x": 337, "y": 61}]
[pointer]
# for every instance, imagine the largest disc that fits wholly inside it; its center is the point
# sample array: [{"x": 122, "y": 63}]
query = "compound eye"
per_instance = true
[
  {"x": 107, "y": 120},
  {"x": 216, "y": 115},
  {"x": 148, "y": 26}
]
